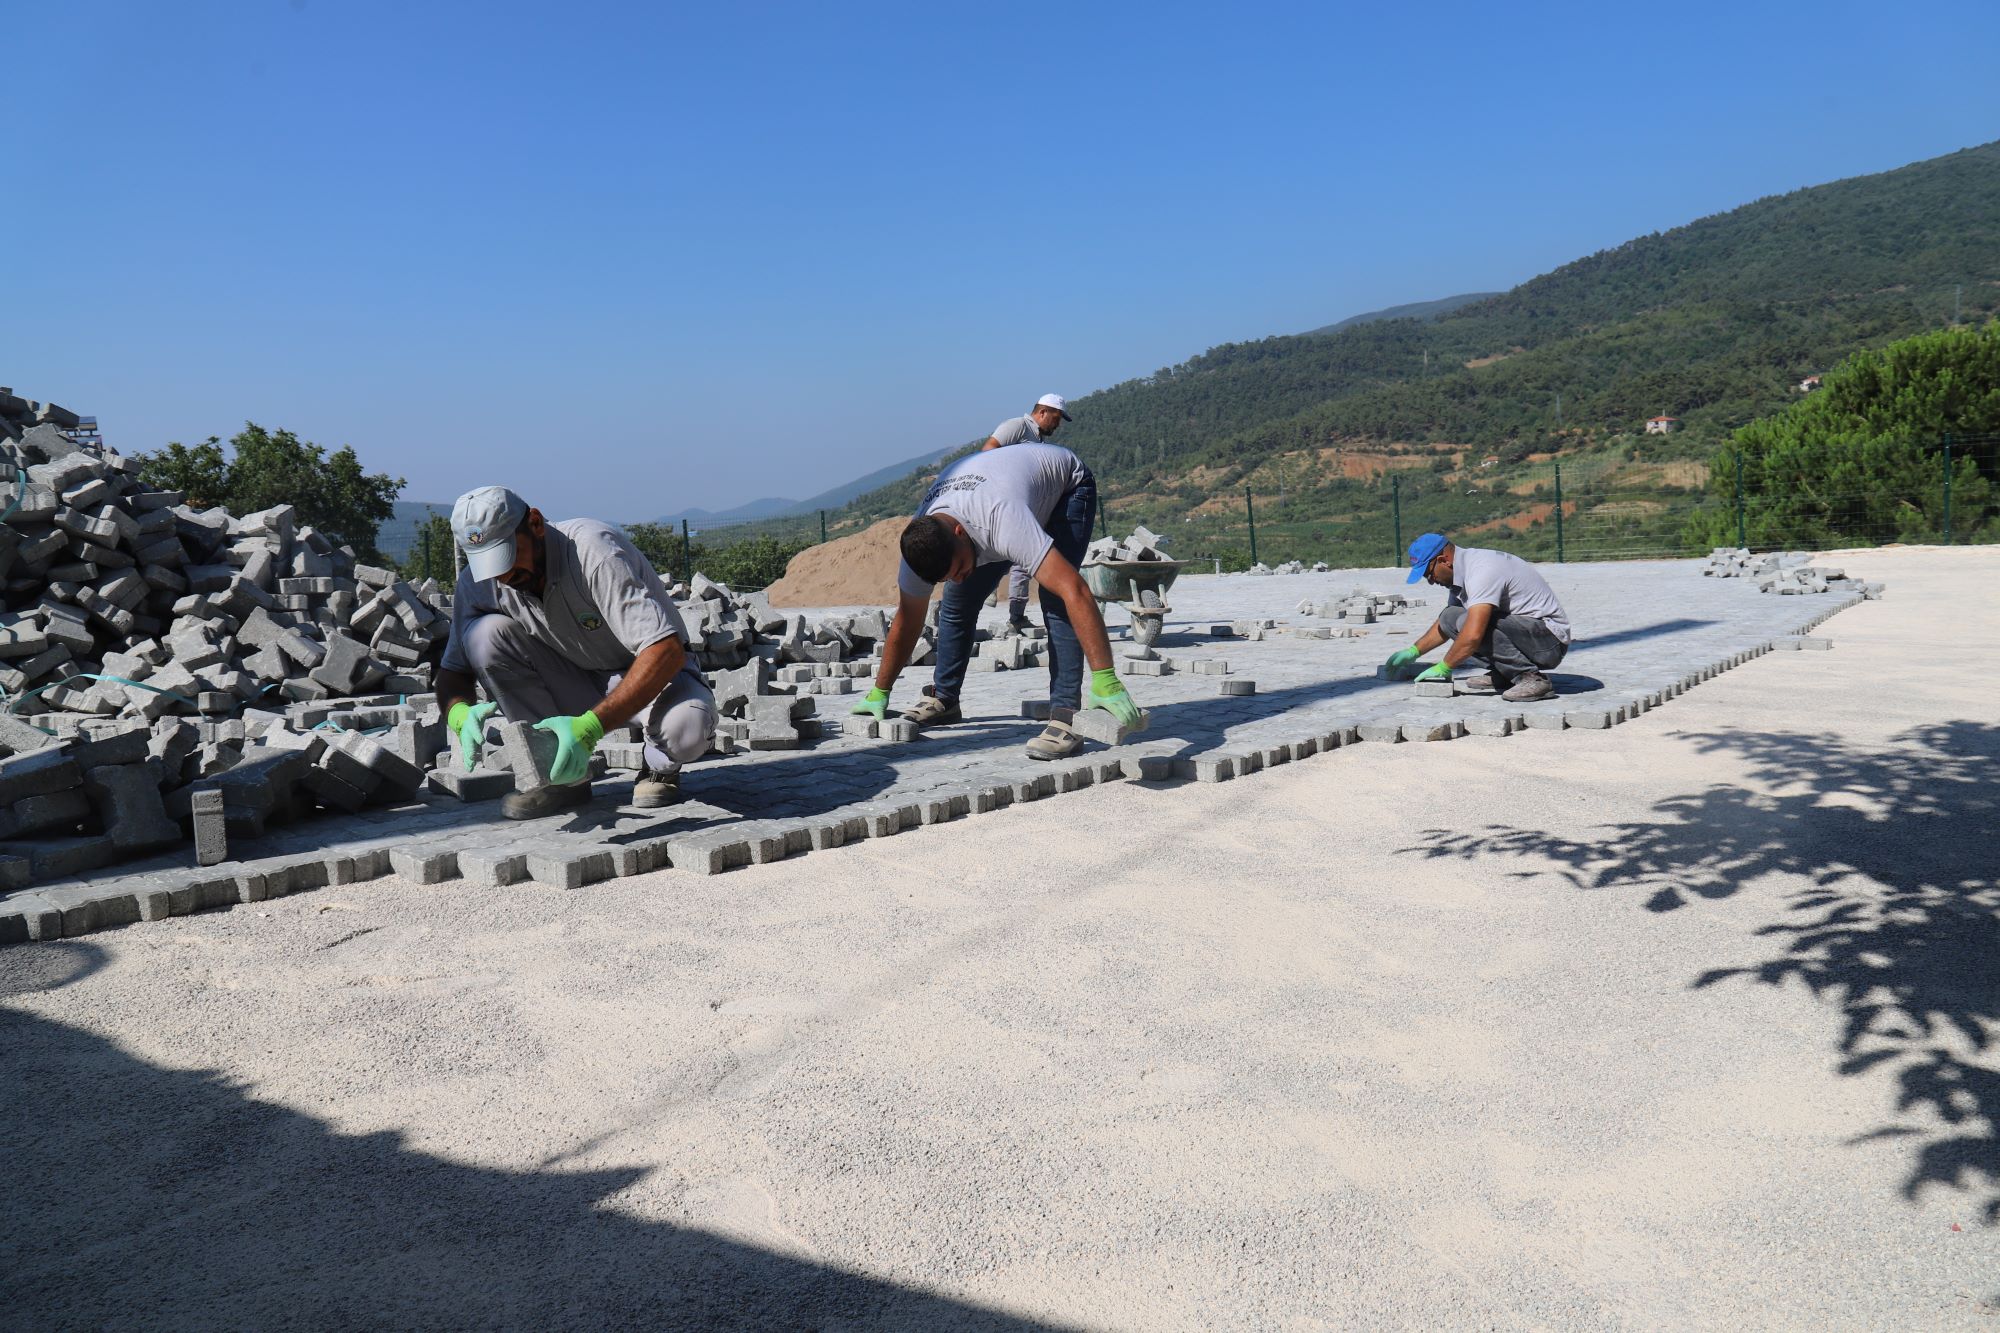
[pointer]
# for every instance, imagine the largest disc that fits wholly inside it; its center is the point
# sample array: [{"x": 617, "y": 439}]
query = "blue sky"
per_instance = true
[{"x": 632, "y": 258}]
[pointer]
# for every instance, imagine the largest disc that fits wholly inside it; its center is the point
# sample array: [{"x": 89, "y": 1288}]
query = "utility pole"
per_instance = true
[
  {"x": 1250, "y": 512},
  {"x": 1396, "y": 506}
]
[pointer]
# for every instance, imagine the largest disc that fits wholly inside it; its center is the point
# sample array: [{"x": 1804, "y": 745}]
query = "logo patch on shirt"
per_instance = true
[{"x": 591, "y": 620}]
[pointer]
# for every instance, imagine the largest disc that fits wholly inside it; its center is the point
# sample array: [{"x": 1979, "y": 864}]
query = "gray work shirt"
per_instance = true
[
  {"x": 1508, "y": 584},
  {"x": 603, "y": 606},
  {"x": 1004, "y": 498},
  {"x": 1018, "y": 430}
]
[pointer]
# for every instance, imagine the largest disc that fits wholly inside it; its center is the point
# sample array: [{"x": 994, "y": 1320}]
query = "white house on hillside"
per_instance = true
[{"x": 1661, "y": 425}]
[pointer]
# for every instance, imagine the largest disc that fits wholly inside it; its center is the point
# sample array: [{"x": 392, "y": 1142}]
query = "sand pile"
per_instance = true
[{"x": 853, "y": 571}]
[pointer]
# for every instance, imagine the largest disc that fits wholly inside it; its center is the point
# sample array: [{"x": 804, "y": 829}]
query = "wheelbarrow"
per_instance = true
[{"x": 1145, "y": 581}]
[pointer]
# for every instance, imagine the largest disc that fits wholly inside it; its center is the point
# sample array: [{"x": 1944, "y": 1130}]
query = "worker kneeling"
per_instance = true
[
  {"x": 1030, "y": 505},
  {"x": 569, "y": 628},
  {"x": 1500, "y": 610}
]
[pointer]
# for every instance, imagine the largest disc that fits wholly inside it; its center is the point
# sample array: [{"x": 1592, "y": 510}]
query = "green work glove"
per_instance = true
[
  {"x": 467, "y": 721},
  {"x": 1108, "y": 692},
  {"x": 575, "y": 737},
  {"x": 1438, "y": 672},
  {"x": 875, "y": 703},
  {"x": 1402, "y": 660}
]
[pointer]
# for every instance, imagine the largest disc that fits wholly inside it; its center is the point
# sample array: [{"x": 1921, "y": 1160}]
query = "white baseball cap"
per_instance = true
[
  {"x": 1055, "y": 400},
  {"x": 484, "y": 521}
]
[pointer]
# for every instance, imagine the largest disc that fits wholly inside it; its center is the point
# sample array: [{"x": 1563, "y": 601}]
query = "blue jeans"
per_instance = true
[{"x": 958, "y": 611}]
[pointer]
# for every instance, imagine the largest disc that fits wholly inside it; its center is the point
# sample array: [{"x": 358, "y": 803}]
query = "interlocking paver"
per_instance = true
[{"x": 1647, "y": 633}]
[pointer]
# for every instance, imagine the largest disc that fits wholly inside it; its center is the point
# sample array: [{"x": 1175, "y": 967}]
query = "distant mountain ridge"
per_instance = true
[
  {"x": 836, "y": 498},
  {"x": 1444, "y": 305},
  {"x": 1712, "y": 323}
]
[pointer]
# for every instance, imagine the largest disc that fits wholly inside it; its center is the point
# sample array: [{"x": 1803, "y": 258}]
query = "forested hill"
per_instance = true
[{"x": 1713, "y": 323}]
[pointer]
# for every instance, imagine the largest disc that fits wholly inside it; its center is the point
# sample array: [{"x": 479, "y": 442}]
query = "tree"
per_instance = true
[
  {"x": 431, "y": 555},
  {"x": 267, "y": 468},
  {"x": 1862, "y": 459}
]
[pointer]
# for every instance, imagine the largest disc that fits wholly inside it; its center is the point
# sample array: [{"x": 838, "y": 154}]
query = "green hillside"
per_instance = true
[{"x": 1713, "y": 323}]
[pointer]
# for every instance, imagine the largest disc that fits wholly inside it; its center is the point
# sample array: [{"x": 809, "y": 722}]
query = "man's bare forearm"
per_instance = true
[
  {"x": 455, "y": 687},
  {"x": 649, "y": 673},
  {"x": 1088, "y": 622},
  {"x": 902, "y": 640},
  {"x": 1478, "y": 619}
]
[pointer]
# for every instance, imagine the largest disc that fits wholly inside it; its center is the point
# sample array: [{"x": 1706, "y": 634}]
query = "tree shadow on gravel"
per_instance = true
[
  {"x": 175, "y": 1198},
  {"x": 1900, "y": 928}
]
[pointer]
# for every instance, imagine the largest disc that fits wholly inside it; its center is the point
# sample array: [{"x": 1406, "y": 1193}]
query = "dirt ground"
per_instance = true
[{"x": 1689, "y": 1023}]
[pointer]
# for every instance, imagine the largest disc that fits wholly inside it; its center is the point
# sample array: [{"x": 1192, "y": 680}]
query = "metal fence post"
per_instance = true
[
  {"x": 1947, "y": 489},
  {"x": 1741, "y": 540},
  {"x": 1561, "y": 558},
  {"x": 1396, "y": 505},
  {"x": 687, "y": 555},
  {"x": 1250, "y": 511},
  {"x": 822, "y": 527}
]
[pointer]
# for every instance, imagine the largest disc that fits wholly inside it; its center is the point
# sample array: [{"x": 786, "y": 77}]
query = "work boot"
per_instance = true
[
  {"x": 1057, "y": 741},
  {"x": 1018, "y": 626},
  {"x": 1488, "y": 682},
  {"x": 932, "y": 711},
  {"x": 1528, "y": 687},
  {"x": 550, "y": 800},
  {"x": 653, "y": 789}
]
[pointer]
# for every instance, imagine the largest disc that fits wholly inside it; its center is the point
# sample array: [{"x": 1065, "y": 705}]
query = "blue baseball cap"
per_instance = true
[{"x": 1422, "y": 551}]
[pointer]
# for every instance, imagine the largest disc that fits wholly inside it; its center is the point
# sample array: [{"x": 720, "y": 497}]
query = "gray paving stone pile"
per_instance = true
[
  {"x": 1646, "y": 634},
  {"x": 152, "y": 651},
  {"x": 1788, "y": 573}
]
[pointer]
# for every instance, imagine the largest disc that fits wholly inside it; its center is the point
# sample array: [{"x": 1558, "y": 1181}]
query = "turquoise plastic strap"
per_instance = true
[{"x": 20, "y": 490}]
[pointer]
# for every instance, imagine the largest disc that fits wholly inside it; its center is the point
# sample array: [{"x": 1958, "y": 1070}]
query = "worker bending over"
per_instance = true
[
  {"x": 1500, "y": 610},
  {"x": 1031, "y": 505},
  {"x": 1047, "y": 416},
  {"x": 569, "y": 628}
]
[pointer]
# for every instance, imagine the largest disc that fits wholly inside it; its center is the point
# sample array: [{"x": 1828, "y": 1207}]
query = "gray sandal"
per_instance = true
[
  {"x": 1057, "y": 741},
  {"x": 931, "y": 711}
]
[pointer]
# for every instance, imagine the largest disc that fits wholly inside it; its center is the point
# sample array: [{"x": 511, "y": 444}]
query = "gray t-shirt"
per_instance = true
[
  {"x": 1507, "y": 583},
  {"x": 1018, "y": 430},
  {"x": 1004, "y": 498},
  {"x": 603, "y": 606}
]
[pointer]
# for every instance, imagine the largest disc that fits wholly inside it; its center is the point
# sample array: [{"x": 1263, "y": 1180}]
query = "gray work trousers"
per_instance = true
[
  {"x": 531, "y": 681},
  {"x": 1514, "y": 645},
  {"x": 1017, "y": 594}
]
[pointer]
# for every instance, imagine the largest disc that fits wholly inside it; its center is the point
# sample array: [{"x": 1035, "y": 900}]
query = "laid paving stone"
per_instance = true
[
  {"x": 1646, "y": 633},
  {"x": 1587, "y": 719},
  {"x": 425, "y": 865},
  {"x": 1388, "y": 733},
  {"x": 570, "y": 869},
  {"x": 493, "y": 867}
]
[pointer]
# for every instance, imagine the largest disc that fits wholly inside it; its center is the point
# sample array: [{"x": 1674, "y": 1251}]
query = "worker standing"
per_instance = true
[
  {"x": 1042, "y": 421},
  {"x": 569, "y": 628},
  {"x": 1030, "y": 506},
  {"x": 1500, "y": 610}
]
